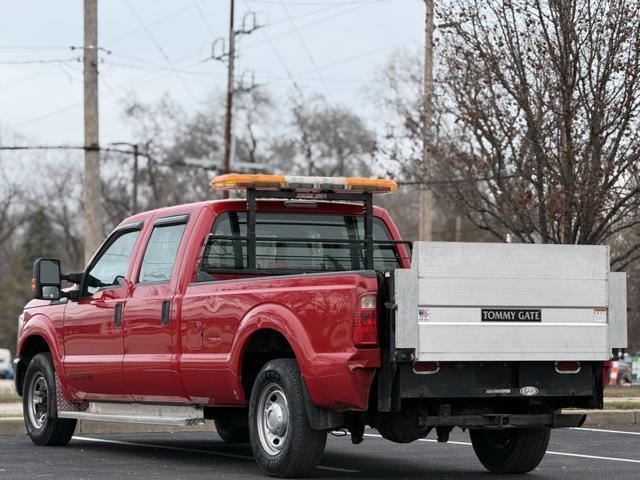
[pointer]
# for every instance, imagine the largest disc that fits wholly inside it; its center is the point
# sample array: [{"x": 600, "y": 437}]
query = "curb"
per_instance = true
[{"x": 603, "y": 418}]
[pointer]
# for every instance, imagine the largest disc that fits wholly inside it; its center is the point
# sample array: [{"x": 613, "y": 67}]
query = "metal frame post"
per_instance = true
[
  {"x": 251, "y": 229},
  {"x": 368, "y": 229}
]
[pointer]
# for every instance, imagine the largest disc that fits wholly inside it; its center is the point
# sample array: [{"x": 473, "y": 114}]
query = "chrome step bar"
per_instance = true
[{"x": 177, "y": 415}]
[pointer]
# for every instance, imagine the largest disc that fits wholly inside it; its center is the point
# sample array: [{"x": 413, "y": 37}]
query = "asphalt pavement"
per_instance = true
[{"x": 573, "y": 454}]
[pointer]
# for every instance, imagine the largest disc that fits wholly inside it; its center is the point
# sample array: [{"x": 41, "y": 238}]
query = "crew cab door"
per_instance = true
[
  {"x": 151, "y": 327},
  {"x": 92, "y": 326}
]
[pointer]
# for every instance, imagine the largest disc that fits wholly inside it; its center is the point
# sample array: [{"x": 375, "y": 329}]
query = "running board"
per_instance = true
[{"x": 177, "y": 415}]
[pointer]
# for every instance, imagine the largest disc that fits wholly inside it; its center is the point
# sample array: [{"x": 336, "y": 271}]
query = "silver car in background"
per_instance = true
[{"x": 5, "y": 363}]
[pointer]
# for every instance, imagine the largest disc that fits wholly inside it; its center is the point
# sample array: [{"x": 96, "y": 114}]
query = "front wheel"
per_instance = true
[
  {"x": 282, "y": 440},
  {"x": 39, "y": 405},
  {"x": 510, "y": 450}
]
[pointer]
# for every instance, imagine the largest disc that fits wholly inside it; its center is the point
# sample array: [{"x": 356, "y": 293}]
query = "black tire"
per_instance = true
[
  {"x": 299, "y": 447},
  {"x": 510, "y": 450},
  {"x": 232, "y": 434},
  {"x": 42, "y": 422}
]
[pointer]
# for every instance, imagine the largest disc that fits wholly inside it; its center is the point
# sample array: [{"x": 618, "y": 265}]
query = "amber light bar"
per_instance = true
[{"x": 241, "y": 181}]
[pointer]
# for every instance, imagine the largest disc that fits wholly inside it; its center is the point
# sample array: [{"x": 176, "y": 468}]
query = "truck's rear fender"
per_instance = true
[
  {"x": 350, "y": 372},
  {"x": 276, "y": 326},
  {"x": 39, "y": 336}
]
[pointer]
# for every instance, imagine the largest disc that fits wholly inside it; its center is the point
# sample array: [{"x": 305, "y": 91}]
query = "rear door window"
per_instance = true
[{"x": 295, "y": 241}]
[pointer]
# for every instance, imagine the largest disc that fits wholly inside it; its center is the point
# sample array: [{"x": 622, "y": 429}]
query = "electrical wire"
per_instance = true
[
  {"x": 41, "y": 61},
  {"x": 305, "y": 48},
  {"x": 160, "y": 49}
]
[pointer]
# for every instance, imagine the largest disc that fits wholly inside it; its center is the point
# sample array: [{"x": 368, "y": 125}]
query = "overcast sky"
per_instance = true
[{"x": 152, "y": 47}]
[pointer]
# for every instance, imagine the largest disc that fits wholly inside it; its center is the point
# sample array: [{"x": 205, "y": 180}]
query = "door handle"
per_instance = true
[
  {"x": 166, "y": 312},
  {"x": 117, "y": 315}
]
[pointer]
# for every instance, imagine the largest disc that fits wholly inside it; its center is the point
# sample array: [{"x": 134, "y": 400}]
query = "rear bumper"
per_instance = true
[
  {"x": 491, "y": 388},
  {"x": 501, "y": 421},
  {"x": 500, "y": 380}
]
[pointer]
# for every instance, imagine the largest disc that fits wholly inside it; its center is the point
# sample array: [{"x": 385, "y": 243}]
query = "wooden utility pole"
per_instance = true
[
  {"x": 93, "y": 233},
  {"x": 426, "y": 196},
  {"x": 228, "y": 128}
]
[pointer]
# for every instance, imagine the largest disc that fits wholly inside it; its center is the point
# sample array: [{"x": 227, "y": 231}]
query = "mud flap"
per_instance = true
[{"x": 321, "y": 418}]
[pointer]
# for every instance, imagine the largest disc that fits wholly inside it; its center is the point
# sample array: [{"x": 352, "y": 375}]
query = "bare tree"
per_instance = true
[
  {"x": 325, "y": 140},
  {"x": 542, "y": 138}
]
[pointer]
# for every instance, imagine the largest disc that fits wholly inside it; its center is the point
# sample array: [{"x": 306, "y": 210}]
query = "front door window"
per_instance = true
[{"x": 110, "y": 269}]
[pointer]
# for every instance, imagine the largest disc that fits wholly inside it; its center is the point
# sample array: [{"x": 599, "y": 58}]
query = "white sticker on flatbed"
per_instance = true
[{"x": 600, "y": 315}]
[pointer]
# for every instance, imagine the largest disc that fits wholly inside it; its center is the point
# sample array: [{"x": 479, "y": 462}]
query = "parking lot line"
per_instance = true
[
  {"x": 594, "y": 457},
  {"x": 195, "y": 450},
  {"x": 550, "y": 452},
  {"x": 604, "y": 431}
]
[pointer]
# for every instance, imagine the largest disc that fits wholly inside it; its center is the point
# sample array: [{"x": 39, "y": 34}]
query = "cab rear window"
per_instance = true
[{"x": 297, "y": 242}]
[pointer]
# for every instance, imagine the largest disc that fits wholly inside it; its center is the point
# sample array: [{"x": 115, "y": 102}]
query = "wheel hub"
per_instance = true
[
  {"x": 273, "y": 419},
  {"x": 38, "y": 401},
  {"x": 277, "y": 419}
]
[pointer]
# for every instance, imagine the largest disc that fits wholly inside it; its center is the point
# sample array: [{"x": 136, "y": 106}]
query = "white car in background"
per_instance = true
[{"x": 5, "y": 363}]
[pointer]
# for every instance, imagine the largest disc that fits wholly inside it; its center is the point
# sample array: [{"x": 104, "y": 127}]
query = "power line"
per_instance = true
[
  {"x": 316, "y": 2},
  {"x": 148, "y": 78},
  {"x": 160, "y": 49},
  {"x": 312, "y": 23},
  {"x": 169, "y": 16},
  {"x": 203, "y": 17},
  {"x": 9, "y": 47},
  {"x": 42, "y": 61},
  {"x": 304, "y": 47}
]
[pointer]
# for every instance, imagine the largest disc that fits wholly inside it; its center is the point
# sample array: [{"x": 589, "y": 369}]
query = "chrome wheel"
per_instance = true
[
  {"x": 273, "y": 419},
  {"x": 38, "y": 401}
]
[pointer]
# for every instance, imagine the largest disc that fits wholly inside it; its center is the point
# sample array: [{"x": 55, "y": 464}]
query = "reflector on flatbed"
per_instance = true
[{"x": 240, "y": 181}]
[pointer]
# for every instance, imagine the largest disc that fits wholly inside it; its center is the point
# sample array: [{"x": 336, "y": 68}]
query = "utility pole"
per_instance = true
[
  {"x": 92, "y": 188},
  {"x": 220, "y": 52},
  {"x": 134, "y": 194},
  {"x": 426, "y": 196},
  {"x": 226, "y": 166}
]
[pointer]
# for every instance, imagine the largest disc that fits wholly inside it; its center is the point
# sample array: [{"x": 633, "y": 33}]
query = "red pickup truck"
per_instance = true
[{"x": 273, "y": 316}]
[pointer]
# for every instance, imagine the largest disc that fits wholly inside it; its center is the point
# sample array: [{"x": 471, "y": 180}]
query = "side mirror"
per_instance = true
[{"x": 46, "y": 279}]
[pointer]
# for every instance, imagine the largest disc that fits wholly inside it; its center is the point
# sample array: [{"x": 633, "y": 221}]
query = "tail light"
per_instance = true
[
  {"x": 427, "y": 368},
  {"x": 613, "y": 377},
  {"x": 567, "y": 367},
  {"x": 365, "y": 322}
]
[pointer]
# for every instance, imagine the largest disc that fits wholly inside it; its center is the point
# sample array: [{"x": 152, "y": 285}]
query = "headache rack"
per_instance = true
[{"x": 253, "y": 240}]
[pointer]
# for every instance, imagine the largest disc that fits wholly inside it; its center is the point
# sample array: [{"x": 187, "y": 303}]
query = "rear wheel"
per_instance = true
[
  {"x": 282, "y": 440},
  {"x": 39, "y": 405},
  {"x": 510, "y": 450}
]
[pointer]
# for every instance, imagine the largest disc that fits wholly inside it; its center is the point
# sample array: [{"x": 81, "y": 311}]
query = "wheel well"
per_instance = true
[
  {"x": 263, "y": 345},
  {"x": 35, "y": 344}
]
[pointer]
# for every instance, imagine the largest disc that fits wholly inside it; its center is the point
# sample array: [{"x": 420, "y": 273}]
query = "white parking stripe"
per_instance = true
[
  {"x": 550, "y": 452},
  {"x": 595, "y": 457},
  {"x": 604, "y": 431},
  {"x": 195, "y": 450}
]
